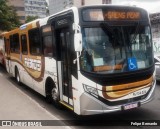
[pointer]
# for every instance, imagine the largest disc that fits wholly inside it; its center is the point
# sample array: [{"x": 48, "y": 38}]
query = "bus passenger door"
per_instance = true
[{"x": 64, "y": 66}]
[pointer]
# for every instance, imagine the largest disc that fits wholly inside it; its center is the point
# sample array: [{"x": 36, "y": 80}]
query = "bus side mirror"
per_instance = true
[
  {"x": 77, "y": 38},
  {"x": 78, "y": 42}
]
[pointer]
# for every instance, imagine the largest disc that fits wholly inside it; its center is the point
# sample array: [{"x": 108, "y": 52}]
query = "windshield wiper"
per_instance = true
[
  {"x": 135, "y": 33},
  {"x": 107, "y": 29}
]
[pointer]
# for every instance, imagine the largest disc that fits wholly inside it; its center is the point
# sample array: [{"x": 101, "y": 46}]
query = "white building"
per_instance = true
[
  {"x": 59, "y": 5},
  {"x": 36, "y": 8}
]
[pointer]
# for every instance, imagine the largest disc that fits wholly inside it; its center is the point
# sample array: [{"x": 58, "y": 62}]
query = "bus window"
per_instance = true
[
  {"x": 5, "y": 44},
  {"x": 24, "y": 44},
  {"x": 34, "y": 40},
  {"x": 48, "y": 46},
  {"x": 14, "y": 41}
]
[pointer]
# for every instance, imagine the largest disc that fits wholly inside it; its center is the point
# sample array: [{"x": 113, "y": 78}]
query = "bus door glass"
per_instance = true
[{"x": 65, "y": 77}]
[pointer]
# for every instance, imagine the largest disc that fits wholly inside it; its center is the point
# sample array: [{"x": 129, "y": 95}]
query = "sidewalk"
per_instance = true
[{"x": 16, "y": 105}]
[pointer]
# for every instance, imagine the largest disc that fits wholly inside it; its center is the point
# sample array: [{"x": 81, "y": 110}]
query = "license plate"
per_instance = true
[{"x": 130, "y": 106}]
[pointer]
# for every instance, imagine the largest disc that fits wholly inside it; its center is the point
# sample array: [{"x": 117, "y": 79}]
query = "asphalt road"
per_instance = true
[{"x": 150, "y": 111}]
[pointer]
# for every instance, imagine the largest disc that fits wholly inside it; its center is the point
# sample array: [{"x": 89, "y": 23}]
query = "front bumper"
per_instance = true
[{"x": 90, "y": 105}]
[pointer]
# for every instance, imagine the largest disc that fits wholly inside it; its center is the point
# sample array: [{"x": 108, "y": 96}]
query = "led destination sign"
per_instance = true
[
  {"x": 105, "y": 15},
  {"x": 122, "y": 15}
]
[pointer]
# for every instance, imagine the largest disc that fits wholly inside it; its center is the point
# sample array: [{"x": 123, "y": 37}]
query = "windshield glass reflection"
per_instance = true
[{"x": 116, "y": 49}]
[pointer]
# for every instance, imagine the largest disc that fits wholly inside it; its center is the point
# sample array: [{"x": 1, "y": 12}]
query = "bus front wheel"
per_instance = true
[{"x": 52, "y": 95}]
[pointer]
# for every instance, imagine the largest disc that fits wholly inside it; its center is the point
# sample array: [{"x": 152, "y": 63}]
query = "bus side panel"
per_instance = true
[
  {"x": 2, "y": 52},
  {"x": 50, "y": 71},
  {"x": 26, "y": 78},
  {"x": 14, "y": 62}
]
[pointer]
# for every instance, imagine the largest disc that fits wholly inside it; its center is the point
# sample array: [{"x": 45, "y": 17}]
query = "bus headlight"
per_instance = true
[
  {"x": 154, "y": 77},
  {"x": 90, "y": 90}
]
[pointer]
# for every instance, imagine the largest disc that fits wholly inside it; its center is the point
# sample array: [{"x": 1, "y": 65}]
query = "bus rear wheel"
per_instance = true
[{"x": 17, "y": 76}]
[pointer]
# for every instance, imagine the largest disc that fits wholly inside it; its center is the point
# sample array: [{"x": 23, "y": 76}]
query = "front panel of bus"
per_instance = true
[{"x": 117, "y": 56}]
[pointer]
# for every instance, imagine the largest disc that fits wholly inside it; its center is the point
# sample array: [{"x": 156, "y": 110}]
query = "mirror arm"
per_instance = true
[{"x": 75, "y": 60}]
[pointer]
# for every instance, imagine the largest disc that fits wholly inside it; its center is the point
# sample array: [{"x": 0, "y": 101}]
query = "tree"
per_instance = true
[
  {"x": 31, "y": 18},
  {"x": 8, "y": 17}
]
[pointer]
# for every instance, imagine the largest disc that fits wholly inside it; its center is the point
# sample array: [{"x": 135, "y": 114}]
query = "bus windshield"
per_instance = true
[{"x": 115, "y": 49}]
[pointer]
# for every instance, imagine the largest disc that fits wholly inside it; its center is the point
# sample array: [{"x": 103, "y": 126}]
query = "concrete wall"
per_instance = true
[{"x": 19, "y": 6}]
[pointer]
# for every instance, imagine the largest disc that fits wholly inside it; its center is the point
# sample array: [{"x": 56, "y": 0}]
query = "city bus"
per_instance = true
[{"x": 92, "y": 59}]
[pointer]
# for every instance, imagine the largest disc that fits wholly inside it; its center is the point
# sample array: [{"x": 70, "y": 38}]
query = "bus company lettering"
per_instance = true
[
  {"x": 33, "y": 64},
  {"x": 139, "y": 93},
  {"x": 122, "y": 15},
  {"x": 62, "y": 22}
]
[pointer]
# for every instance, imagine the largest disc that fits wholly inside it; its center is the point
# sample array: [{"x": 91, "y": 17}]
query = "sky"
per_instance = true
[{"x": 152, "y": 6}]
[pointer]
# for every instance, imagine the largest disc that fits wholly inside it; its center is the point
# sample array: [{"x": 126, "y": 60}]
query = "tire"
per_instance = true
[
  {"x": 52, "y": 95},
  {"x": 17, "y": 76}
]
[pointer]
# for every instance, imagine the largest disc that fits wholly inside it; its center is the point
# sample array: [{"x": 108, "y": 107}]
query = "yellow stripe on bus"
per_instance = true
[
  {"x": 128, "y": 85},
  {"x": 66, "y": 105}
]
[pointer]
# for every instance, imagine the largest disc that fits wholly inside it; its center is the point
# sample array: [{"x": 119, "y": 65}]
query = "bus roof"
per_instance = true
[
  {"x": 111, "y": 5},
  {"x": 45, "y": 20}
]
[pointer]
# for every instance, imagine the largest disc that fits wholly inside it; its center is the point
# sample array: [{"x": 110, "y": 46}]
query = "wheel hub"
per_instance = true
[{"x": 54, "y": 94}]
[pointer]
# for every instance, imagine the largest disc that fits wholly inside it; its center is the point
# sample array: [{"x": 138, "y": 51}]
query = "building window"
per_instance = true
[
  {"x": 82, "y": 2},
  {"x": 21, "y": 17},
  {"x": 34, "y": 41},
  {"x": 24, "y": 44},
  {"x": 14, "y": 41},
  {"x": 106, "y": 2},
  {"x": 19, "y": 8}
]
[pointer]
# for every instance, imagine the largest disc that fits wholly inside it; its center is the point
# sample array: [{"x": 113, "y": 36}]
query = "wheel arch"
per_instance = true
[
  {"x": 15, "y": 70},
  {"x": 48, "y": 83}
]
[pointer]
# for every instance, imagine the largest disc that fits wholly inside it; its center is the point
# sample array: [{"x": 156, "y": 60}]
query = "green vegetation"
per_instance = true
[
  {"x": 8, "y": 17},
  {"x": 31, "y": 18}
]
